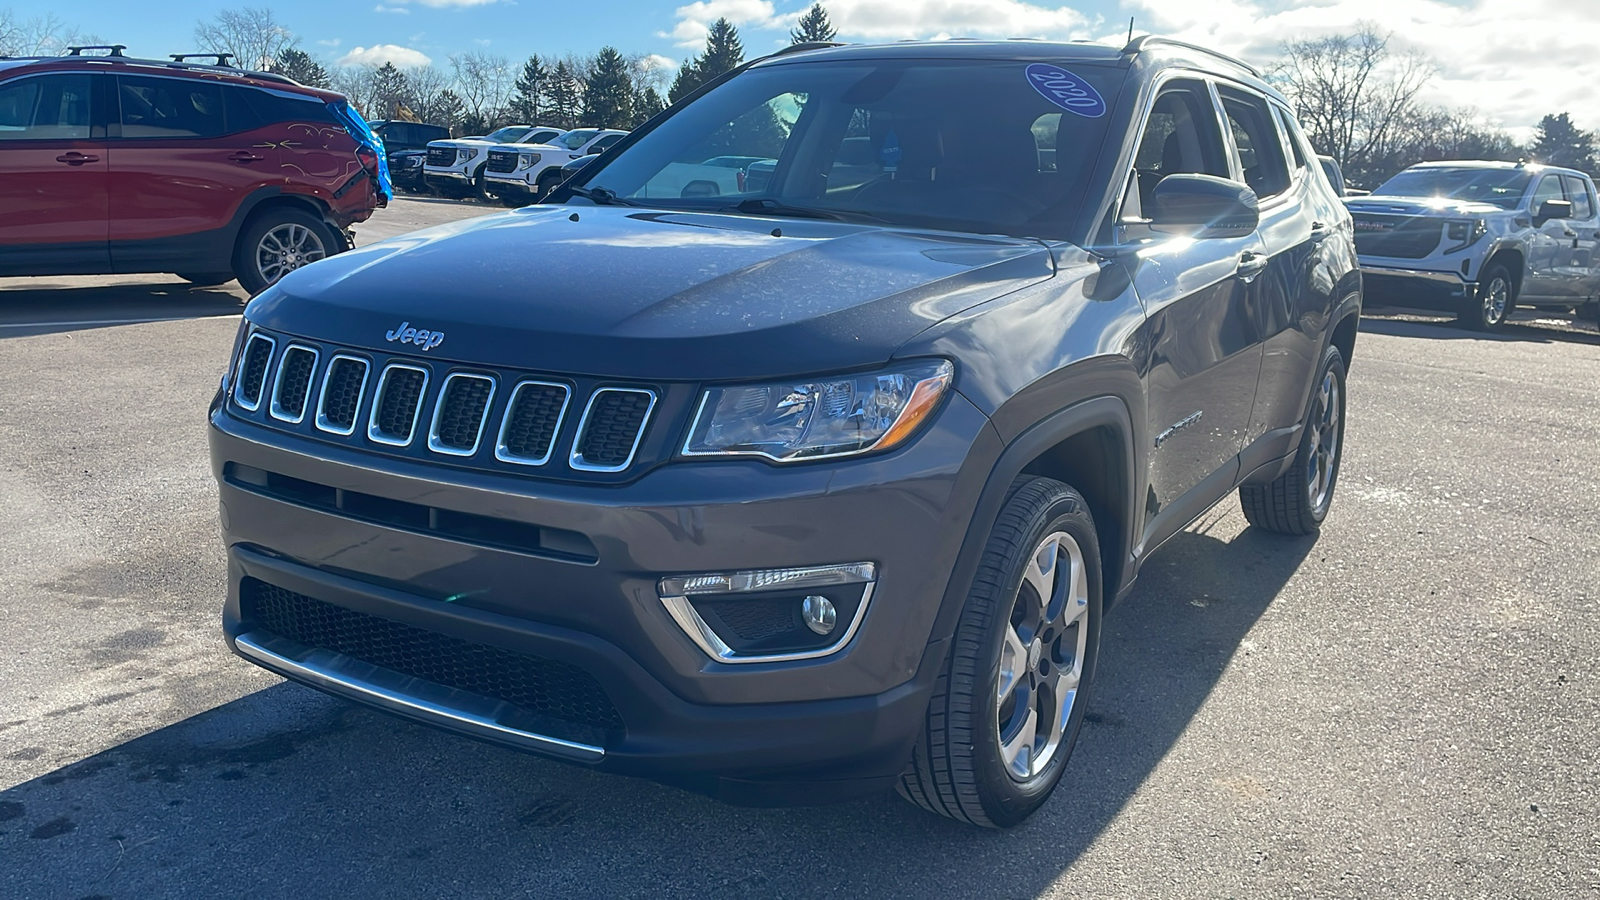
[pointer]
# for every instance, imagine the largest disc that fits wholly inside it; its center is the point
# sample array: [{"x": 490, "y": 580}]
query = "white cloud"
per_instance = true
[
  {"x": 330, "y": 43},
  {"x": 378, "y": 54},
  {"x": 891, "y": 19},
  {"x": 1512, "y": 60},
  {"x": 395, "y": 10}
]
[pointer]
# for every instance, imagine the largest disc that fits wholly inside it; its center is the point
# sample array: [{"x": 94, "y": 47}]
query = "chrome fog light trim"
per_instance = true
[{"x": 676, "y": 590}]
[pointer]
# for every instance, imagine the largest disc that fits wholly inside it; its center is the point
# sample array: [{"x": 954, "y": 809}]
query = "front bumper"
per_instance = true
[
  {"x": 507, "y": 184},
  {"x": 813, "y": 729},
  {"x": 1405, "y": 286}
]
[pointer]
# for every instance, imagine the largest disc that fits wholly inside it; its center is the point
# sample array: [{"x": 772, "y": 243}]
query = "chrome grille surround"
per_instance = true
[
  {"x": 504, "y": 453},
  {"x": 245, "y": 358},
  {"x": 435, "y": 441},
  {"x": 373, "y": 431},
  {"x": 322, "y": 420},
  {"x": 577, "y": 459},
  {"x": 277, "y": 409}
]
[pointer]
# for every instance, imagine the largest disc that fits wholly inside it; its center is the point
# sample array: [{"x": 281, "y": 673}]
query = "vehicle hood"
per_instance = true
[
  {"x": 634, "y": 293},
  {"x": 1422, "y": 206},
  {"x": 458, "y": 143}
]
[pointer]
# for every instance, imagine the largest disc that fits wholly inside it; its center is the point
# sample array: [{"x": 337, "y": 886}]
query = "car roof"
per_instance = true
[
  {"x": 163, "y": 67},
  {"x": 1146, "y": 52},
  {"x": 1493, "y": 164}
]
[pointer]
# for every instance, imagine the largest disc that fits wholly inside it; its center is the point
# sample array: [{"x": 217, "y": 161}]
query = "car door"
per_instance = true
[
  {"x": 179, "y": 173},
  {"x": 54, "y": 185},
  {"x": 1584, "y": 273},
  {"x": 1203, "y": 355},
  {"x": 1292, "y": 302},
  {"x": 1549, "y": 245}
]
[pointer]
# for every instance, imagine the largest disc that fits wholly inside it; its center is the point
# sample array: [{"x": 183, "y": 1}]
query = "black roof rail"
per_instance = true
[
  {"x": 1144, "y": 40},
  {"x": 114, "y": 49},
  {"x": 221, "y": 58},
  {"x": 804, "y": 46}
]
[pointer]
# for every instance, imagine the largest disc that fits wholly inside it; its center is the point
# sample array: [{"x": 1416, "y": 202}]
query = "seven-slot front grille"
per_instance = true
[
  {"x": 571, "y": 701},
  {"x": 502, "y": 161},
  {"x": 441, "y": 156},
  {"x": 417, "y": 407}
]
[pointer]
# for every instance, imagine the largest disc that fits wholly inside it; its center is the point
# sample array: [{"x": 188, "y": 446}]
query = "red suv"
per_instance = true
[{"x": 110, "y": 164}]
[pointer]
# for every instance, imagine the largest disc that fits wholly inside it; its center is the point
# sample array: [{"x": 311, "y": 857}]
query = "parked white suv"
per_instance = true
[
  {"x": 520, "y": 174},
  {"x": 1481, "y": 238},
  {"x": 456, "y": 166}
]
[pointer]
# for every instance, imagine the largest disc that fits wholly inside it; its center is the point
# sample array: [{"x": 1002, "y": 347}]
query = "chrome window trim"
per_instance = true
[
  {"x": 238, "y": 375},
  {"x": 575, "y": 458},
  {"x": 275, "y": 408},
  {"x": 322, "y": 394},
  {"x": 675, "y": 596},
  {"x": 438, "y": 407},
  {"x": 378, "y": 437},
  {"x": 504, "y": 455}
]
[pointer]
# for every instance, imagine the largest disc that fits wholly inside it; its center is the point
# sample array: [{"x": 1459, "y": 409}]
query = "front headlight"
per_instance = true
[
  {"x": 464, "y": 155},
  {"x": 413, "y": 162},
  {"x": 1465, "y": 233},
  {"x": 528, "y": 160},
  {"x": 814, "y": 418}
]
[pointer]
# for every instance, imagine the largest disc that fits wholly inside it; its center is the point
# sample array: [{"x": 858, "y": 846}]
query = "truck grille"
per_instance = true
[
  {"x": 441, "y": 156},
  {"x": 502, "y": 161},
  {"x": 1397, "y": 237},
  {"x": 567, "y": 701},
  {"x": 420, "y": 408}
]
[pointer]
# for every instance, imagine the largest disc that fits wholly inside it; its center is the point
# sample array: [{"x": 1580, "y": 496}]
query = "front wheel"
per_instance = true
[
  {"x": 276, "y": 243},
  {"x": 1297, "y": 501},
  {"x": 547, "y": 183},
  {"x": 1007, "y": 708},
  {"x": 1493, "y": 302}
]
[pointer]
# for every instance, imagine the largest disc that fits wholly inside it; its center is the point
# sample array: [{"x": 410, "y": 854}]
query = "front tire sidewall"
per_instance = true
[
  {"x": 244, "y": 258},
  {"x": 1482, "y": 319}
]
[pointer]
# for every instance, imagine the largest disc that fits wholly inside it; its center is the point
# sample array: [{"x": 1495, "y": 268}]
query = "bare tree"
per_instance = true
[
  {"x": 45, "y": 35},
  {"x": 484, "y": 83},
  {"x": 1352, "y": 91},
  {"x": 252, "y": 34}
]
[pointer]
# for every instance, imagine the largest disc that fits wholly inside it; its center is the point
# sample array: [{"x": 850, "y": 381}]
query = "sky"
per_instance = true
[{"x": 1510, "y": 60}]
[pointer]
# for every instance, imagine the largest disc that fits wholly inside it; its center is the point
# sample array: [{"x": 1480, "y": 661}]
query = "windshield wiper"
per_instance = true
[
  {"x": 601, "y": 196},
  {"x": 761, "y": 206}
]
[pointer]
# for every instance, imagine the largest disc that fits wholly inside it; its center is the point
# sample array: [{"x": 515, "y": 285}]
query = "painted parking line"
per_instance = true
[{"x": 71, "y": 322}]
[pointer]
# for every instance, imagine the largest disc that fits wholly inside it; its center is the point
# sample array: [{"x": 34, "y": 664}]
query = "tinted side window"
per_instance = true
[
  {"x": 1286, "y": 126},
  {"x": 1549, "y": 189},
  {"x": 1180, "y": 137},
  {"x": 1582, "y": 199},
  {"x": 170, "y": 107},
  {"x": 607, "y": 141},
  {"x": 49, "y": 107},
  {"x": 273, "y": 108},
  {"x": 1256, "y": 137}
]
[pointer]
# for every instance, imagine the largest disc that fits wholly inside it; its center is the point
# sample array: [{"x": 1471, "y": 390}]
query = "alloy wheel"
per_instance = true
[
  {"x": 1496, "y": 298},
  {"x": 286, "y": 248},
  {"x": 1041, "y": 659},
  {"x": 1325, "y": 437}
]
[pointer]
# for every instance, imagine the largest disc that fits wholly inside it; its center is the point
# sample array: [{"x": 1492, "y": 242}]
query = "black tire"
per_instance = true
[
  {"x": 1297, "y": 501},
  {"x": 480, "y": 185},
  {"x": 206, "y": 279},
  {"x": 1492, "y": 303},
  {"x": 250, "y": 263},
  {"x": 548, "y": 182},
  {"x": 957, "y": 769}
]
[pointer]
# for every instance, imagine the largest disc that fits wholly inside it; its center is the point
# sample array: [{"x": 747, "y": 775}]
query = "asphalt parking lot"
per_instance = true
[{"x": 1407, "y": 705}]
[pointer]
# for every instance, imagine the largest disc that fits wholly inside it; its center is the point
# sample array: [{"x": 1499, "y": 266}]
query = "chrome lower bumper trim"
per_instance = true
[
  {"x": 1445, "y": 278},
  {"x": 411, "y": 697},
  {"x": 453, "y": 176}
]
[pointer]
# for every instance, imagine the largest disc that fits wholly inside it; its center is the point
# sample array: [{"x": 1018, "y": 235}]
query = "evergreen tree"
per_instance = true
[
  {"x": 646, "y": 103},
  {"x": 687, "y": 81},
  {"x": 813, "y": 26},
  {"x": 608, "y": 94},
  {"x": 299, "y": 65},
  {"x": 531, "y": 86},
  {"x": 564, "y": 97},
  {"x": 723, "y": 53},
  {"x": 389, "y": 90},
  {"x": 1558, "y": 142}
]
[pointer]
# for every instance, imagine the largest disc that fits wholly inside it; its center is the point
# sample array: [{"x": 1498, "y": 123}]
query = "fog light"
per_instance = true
[{"x": 819, "y": 614}]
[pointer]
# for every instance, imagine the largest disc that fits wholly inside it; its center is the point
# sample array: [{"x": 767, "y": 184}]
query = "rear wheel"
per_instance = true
[
  {"x": 1297, "y": 501},
  {"x": 206, "y": 279},
  {"x": 1007, "y": 709},
  {"x": 1493, "y": 302},
  {"x": 279, "y": 241}
]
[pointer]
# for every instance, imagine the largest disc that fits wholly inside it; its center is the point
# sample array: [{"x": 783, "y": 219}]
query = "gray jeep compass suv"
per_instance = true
[{"x": 795, "y": 493}]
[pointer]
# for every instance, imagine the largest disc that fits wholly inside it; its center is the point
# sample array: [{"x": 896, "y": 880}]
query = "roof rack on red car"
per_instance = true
[
  {"x": 221, "y": 58},
  {"x": 113, "y": 49}
]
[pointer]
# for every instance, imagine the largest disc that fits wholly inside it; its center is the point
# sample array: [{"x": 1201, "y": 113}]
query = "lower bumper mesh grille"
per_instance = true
[{"x": 566, "y": 701}]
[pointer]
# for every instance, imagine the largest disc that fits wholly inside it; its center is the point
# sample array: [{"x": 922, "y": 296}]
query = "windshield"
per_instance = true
[
  {"x": 542, "y": 136},
  {"x": 967, "y": 145},
  {"x": 1502, "y": 187},
  {"x": 572, "y": 140},
  {"x": 505, "y": 135}
]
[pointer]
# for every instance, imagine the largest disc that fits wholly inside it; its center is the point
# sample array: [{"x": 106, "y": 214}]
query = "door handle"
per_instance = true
[
  {"x": 244, "y": 156},
  {"x": 1319, "y": 232},
  {"x": 1251, "y": 264},
  {"x": 74, "y": 158},
  {"x": 1568, "y": 232}
]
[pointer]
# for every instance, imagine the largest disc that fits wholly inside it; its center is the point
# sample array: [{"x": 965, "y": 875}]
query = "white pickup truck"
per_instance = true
[
  {"x": 457, "y": 166},
  {"x": 1480, "y": 238},
  {"x": 522, "y": 173}
]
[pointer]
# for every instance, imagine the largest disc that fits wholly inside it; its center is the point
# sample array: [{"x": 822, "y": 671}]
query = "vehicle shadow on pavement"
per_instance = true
[
  {"x": 288, "y": 793},
  {"x": 1513, "y": 331},
  {"x": 51, "y": 305}
]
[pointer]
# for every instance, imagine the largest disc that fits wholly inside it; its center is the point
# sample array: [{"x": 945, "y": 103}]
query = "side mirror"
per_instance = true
[
  {"x": 593, "y": 151},
  {"x": 1203, "y": 206},
  {"x": 1554, "y": 209}
]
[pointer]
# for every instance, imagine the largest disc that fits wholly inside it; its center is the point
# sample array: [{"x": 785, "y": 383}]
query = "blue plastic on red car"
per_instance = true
[{"x": 366, "y": 137}]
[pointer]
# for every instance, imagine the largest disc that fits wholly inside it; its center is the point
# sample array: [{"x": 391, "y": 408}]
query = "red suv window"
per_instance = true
[{"x": 170, "y": 107}]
